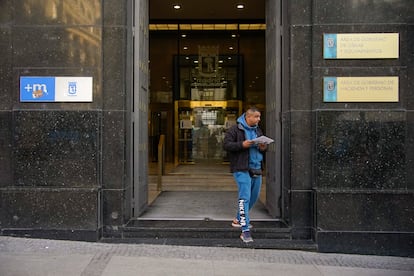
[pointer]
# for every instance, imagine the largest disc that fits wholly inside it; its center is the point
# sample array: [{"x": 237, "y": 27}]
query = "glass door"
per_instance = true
[
  {"x": 201, "y": 130},
  {"x": 208, "y": 134}
]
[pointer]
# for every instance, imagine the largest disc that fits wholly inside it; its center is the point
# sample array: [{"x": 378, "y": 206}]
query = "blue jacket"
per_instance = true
[{"x": 241, "y": 159}]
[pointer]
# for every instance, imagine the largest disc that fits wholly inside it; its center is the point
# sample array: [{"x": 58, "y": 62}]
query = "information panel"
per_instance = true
[
  {"x": 360, "y": 89},
  {"x": 361, "y": 46},
  {"x": 56, "y": 89}
]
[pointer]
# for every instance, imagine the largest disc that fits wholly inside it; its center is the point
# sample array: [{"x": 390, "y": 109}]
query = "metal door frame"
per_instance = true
[
  {"x": 137, "y": 108},
  {"x": 277, "y": 81}
]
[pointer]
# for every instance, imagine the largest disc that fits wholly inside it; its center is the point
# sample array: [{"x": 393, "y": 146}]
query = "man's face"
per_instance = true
[{"x": 253, "y": 118}]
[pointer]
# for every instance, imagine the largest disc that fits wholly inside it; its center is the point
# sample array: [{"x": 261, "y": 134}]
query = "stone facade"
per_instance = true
[{"x": 64, "y": 167}]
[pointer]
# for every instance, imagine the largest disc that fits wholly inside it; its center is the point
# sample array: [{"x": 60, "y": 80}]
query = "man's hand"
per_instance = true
[
  {"x": 247, "y": 143},
  {"x": 262, "y": 147}
]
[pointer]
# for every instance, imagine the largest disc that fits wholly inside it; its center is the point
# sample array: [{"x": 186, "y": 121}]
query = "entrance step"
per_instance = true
[
  {"x": 202, "y": 229},
  {"x": 266, "y": 234}
]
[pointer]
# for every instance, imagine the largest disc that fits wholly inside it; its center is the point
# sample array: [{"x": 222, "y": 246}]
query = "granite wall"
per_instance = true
[
  {"x": 62, "y": 165},
  {"x": 352, "y": 160}
]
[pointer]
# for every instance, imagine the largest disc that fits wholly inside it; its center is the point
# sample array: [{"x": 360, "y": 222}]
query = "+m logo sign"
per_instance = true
[{"x": 34, "y": 89}]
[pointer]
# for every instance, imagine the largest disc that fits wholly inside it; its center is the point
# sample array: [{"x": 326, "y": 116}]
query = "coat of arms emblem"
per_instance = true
[{"x": 208, "y": 60}]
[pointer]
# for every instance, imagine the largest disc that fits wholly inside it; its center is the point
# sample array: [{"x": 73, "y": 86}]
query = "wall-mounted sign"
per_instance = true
[
  {"x": 361, "y": 46},
  {"x": 360, "y": 89},
  {"x": 56, "y": 89}
]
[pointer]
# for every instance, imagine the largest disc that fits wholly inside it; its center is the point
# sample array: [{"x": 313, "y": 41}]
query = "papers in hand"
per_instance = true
[{"x": 263, "y": 140}]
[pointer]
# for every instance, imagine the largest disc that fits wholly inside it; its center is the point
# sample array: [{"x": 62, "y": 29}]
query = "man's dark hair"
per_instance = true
[{"x": 252, "y": 109}]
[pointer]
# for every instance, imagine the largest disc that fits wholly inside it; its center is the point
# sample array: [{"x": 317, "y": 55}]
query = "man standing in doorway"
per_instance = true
[{"x": 245, "y": 158}]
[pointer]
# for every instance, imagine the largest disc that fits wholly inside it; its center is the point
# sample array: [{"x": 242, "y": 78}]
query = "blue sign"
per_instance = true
[
  {"x": 330, "y": 89},
  {"x": 56, "y": 89},
  {"x": 329, "y": 46},
  {"x": 37, "y": 89}
]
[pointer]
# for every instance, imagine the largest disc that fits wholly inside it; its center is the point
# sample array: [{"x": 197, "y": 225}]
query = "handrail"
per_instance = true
[{"x": 161, "y": 161}]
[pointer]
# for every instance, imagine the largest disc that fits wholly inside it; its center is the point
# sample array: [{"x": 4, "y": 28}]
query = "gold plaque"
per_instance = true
[
  {"x": 361, "y": 46},
  {"x": 361, "y": 89}
]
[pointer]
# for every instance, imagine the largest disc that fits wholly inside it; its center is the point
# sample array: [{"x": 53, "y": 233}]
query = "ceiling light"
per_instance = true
[
  {"x": 183, "y": 35},
  {"x": 240, "y": 6},
  {"x": 185, "y": 48},
  {"x": 177, "y": 6}
]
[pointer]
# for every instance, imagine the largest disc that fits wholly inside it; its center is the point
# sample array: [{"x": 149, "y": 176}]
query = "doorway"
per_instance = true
[{"x": 199, "y": 119}]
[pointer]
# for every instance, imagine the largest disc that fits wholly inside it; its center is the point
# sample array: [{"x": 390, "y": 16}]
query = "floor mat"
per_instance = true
[{"x": 215, "y": 205}]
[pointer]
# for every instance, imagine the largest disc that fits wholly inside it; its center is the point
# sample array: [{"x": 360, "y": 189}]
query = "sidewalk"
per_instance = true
[{"x": 21, "y": 256}]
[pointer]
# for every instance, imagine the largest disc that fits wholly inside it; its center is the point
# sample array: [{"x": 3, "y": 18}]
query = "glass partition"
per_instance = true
[{"x": 208, "y": 78}]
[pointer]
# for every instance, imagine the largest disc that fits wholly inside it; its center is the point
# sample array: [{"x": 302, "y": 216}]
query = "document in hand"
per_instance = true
[{"x": 263, "y": 140}]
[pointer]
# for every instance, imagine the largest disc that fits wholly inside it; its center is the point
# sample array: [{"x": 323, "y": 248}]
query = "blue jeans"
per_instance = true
[{"x": 249, "y": 190}]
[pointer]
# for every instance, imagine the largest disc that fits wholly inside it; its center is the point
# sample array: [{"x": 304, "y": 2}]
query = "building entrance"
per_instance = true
[{"x": 202, "y": 77}]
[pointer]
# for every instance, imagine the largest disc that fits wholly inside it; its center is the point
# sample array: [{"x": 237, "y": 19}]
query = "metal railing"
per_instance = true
[{"x": 161, "y": 161}]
